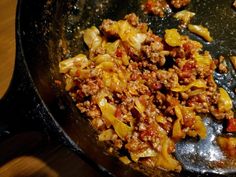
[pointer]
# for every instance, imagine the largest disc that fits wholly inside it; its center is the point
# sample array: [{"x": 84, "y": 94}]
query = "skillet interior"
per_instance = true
[{"x": 44, "y": 23}]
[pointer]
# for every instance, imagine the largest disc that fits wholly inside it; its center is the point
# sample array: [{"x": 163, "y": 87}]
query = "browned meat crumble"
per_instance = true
[{"x": 159, "y": 7}]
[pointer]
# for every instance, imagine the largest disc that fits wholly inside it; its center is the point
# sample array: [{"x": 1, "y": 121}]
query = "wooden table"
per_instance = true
[
  {"x": 28, "y": 154},
  {"x": 7, "y": 42}
]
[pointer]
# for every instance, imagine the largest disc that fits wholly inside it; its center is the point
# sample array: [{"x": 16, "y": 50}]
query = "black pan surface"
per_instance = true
[{"x": 45, "y": 26}]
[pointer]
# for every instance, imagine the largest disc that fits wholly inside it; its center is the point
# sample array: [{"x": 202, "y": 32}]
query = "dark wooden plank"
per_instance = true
[{"x": 31, "y": 154}]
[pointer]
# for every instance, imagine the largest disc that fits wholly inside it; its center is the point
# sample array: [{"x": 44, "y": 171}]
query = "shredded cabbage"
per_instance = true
[
  {"x": 79, "y": 60},
  {"x": 114, "y": 81},
  {"x": 102, "y": 58},
  {"x": 106, "y": 66},
  {"x": 203, "y": 60},
  {"x": 201, "y": 31},
  {"x": 224, "y": 103},
  {"x": 146, "y": 153},
  {"x": 164, "y": 159},
  {"x": 177, "y": 132},
  {"x": 92, "y": 37},
  {"x": 128, "y": 33},
  {"x": 185, "y": 16},
  {"x": 197, "y": 83},
  {"x": 198, "y": 127},
  {"x": 139, "y": 106},
  {"x": 125, "y": 160},
  {"x": 172, "y": 37},
  {"x": 160, "y": 119},
  {"x": 111, "y": 47},
  {"x": 108, "y": 112},
  {"x": 106, "y": 135}
]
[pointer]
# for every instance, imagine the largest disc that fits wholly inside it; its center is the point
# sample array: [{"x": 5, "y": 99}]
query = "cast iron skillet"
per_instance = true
[{"x": 44, "y": 26}]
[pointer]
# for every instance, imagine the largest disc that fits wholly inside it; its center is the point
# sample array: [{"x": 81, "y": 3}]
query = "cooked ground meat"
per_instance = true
[
  {"x": 156, "y": 7},
  {"x": 228, "y": 145},
  {"x": 142, "y": 92},
  {"x": 180, "y": 3},
  {"x": 160, "y": 7},
  {"x": 221, "y": 65}
]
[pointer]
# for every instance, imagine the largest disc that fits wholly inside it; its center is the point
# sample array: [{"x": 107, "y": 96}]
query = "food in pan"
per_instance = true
[
  {"x": 228, "y": 145},
  {"x": 184, "y": 16},
  {"x": 143, "y": 93},
  {"x": 233, "y": 61},
  {"x": 201, "y": 31},
  {"x": 221, "y": 66},
  {"x": 160, "y": 7}
]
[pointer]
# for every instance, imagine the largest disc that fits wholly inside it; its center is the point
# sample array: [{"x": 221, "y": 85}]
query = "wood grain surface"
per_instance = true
[
  {"x": 30, "y": 154},
  {"x": 27, "y": 166},
  {"x": 7, "y": 42}
]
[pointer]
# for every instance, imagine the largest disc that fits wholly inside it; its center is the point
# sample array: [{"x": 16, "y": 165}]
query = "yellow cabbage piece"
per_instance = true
[
  {"x": 106, "y": 135},
  {"x": 125, "y": 59},
  {"x": 106, "y": 66},
  {"x": 114, "y": 81},
  {"x": 139, "y": 106},
  {"x": 197, "y": 83},
  {"x": 128, "y": 33},
  {"x": 92, "y": 37},
  {"x": 125, "y": 160},
  {"x": 177, "y": 132},
  {"x": 101, "y": 58},
  {"x": 185, "y": 16},
  {"x": 161, "y": 119},
  {"x": 164, "y": 159},
  {"x": 136, "y": 40},
  {"x": 111, "y": 47},
  {"x": 201, "y": 31},
  {"x": 74, "y": 66},
  {"x": 198, "y": 127},
  {"x": 145, "y": 153},
  {"x": 225, "y": 102},
  {"x": 108, "y": 113},
  {"x": 172, "y": 37},
  {"x": 196, "y": 92},
  {"x": 83, "y": 73},
  {"x": 78, "y": 61},
  {"x": 203, "y": 60}
]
